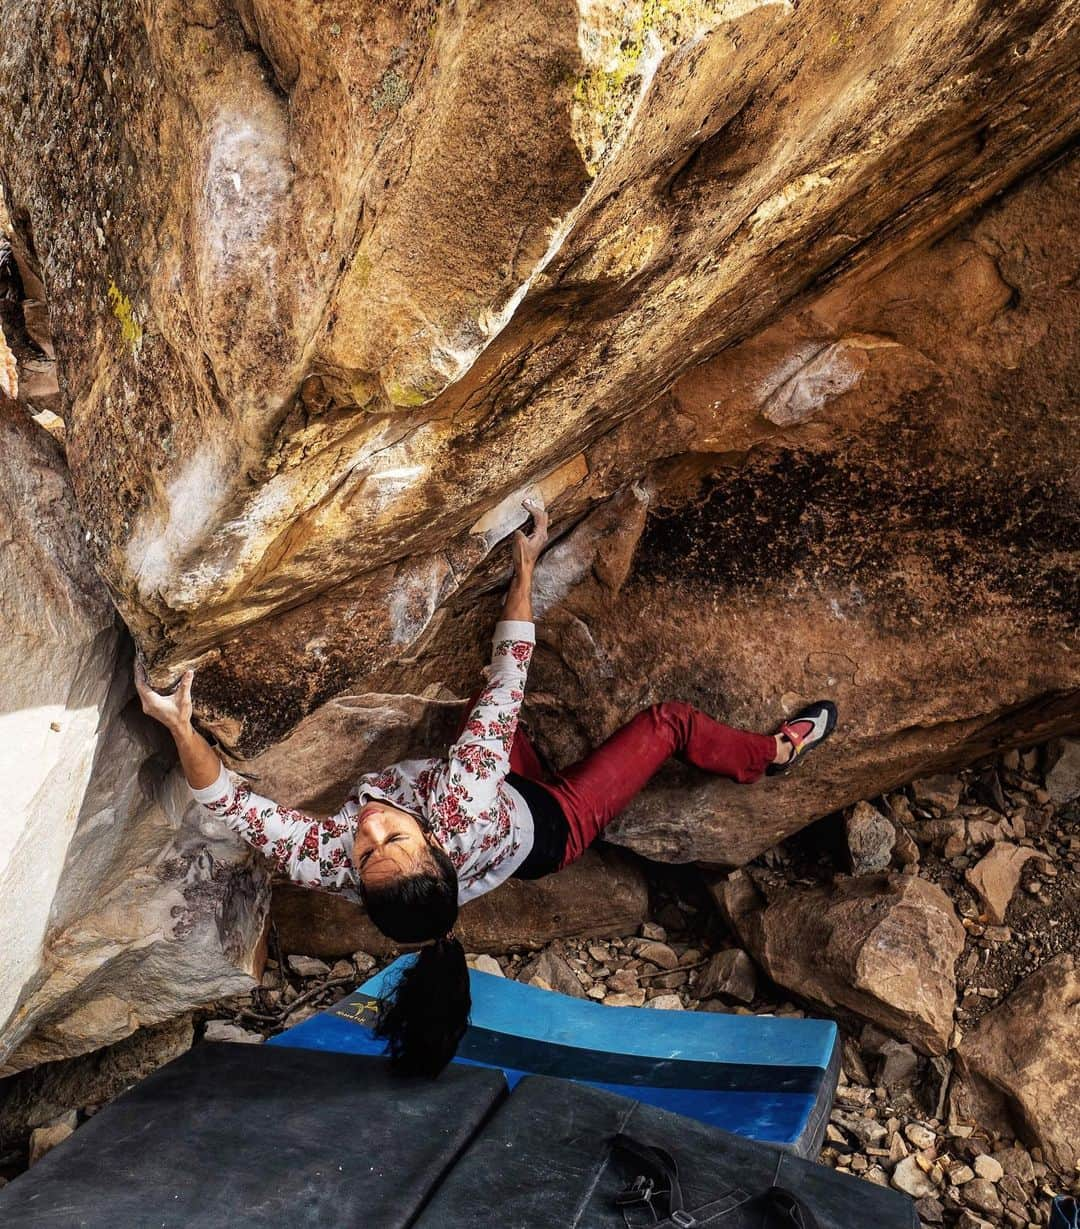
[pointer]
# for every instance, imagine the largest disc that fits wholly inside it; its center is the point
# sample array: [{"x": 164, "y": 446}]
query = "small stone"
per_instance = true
[
  {"x": 981, "y": 1194},
  {"x": 670, "y": 981},
  {"x": 868, "y": 1131},
  {"x": 308, "y": 966},
  {"x": 920, "y": 1136},
  {"x": 968, "y": 1220},
  {"x": 909, "y": 1178},
  {"x": 222, "y": 1030},
  {"x": 596, "y": 992},
  {"x": 656, "y": 953},
  {"x": 44, "y": 1139},
  {"x": 940, "y": 793},
  {"x": 622, "y": 981},
  {"x": 876, "y": 1175},
  {"x": 634, "y": 998},
  {"x": 666, "y": 1002},
  {"x": 549, "y": 966},
  {"x": 900, "y": 1066},
  {"x": 600, "y": 954},
  {"x": 650, "y": 930},
  {"x": 898, "y": 1150},
  {"x": 1063, "y": 779},
  {"x": 730, "y": 973},
  {"x": 930, "y": 1210},
  {"x": 342, "y": 968},
  {"x": 990, "y": 1169},
  {"x": 364, "y": 962},
  {"x": 870, "y": 839},
  {"x": 906, "y": 850},
  {"x": 994, "y": 878},
  {"x": 485, "y": 964},
  {"x": 1016, "y": 1162},
  {"x": 302, "y": 1013},
  {"x": 960, "y": 1173},
  {"x": 859, "y": 1164}
]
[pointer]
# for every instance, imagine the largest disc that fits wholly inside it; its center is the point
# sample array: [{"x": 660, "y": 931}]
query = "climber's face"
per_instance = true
[{"x": 388, "y": 843}]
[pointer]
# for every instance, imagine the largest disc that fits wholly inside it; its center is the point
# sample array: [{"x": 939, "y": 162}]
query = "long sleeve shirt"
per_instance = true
[{"x": 464, "y": 801}]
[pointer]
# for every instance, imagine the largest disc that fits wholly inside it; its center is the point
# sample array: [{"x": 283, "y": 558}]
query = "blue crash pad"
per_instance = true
[{"x": 763, "y": 1077}]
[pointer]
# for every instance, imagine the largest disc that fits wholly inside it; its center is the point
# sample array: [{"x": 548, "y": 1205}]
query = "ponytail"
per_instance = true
[
  {"x": 427, "y": 1013},
  {"x": 425, "y": 1020}
]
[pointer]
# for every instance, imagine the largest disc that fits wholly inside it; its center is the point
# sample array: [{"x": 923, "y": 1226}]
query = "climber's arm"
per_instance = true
[
  {"x": 198, "y": 759},
  {"x": 517, "y": 608},
  {"x": 314, "y": 852}
]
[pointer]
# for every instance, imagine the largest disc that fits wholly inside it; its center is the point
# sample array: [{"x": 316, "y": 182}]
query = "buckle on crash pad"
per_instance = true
[{"x": 641, "y": 1190}]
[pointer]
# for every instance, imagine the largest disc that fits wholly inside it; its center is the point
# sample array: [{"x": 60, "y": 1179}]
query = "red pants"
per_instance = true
[{"x": 593, "y": 791}]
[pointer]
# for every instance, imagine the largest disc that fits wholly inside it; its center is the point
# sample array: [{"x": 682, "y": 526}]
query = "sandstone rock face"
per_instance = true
[
  {"x": 1020, "y": 1067},
  {"x": 883, "y": 946},
  {"x": 329, "y": 292},
  {"x": 36, "y": 1097},
  {"x": 603, "y": 893},
  {"x": 115, "y": 908}
]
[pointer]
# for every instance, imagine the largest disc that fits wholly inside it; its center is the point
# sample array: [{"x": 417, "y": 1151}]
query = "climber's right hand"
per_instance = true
[{"x": 173, "y": 710}]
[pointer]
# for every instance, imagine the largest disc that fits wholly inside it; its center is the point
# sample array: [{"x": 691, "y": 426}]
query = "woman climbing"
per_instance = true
[{"x": 421, "y": 837}]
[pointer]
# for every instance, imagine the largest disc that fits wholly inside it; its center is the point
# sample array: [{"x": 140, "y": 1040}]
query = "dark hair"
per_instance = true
[{"x": 425, "y": 1017}]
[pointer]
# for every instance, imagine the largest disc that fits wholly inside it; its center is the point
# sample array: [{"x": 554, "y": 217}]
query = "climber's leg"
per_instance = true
[{"x": 595, "y": 790}]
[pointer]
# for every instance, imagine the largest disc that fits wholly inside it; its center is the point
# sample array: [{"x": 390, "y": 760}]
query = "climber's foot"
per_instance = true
[{"x": 806, "y": 730}]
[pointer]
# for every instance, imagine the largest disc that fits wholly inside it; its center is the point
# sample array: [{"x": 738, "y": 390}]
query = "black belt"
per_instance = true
[{"x": 550, "y": 829}]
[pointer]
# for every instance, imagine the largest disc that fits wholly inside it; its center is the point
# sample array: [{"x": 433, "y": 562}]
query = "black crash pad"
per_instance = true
[
  {"x": 544, "y": 1161},
  {"x": 245, "y": 1135}
]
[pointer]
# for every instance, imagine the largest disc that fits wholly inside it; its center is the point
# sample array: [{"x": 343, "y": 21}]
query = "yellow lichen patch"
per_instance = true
[
  {"x": 130, "y": 328},
  {"x": 620, "y": 254},
  {"x": 400, "y": 395},
  {"x": 361, "y": 270},
  {"x": 625, "y": 43}
]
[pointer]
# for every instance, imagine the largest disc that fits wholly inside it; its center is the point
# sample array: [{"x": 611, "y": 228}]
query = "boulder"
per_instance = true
[
  {"x": 39, "y": 1095},
  {"x": 881, "y": 946},
  {"x": 995, "y": 877},
  {"x": 327, "y": 298},
  {"x": 117, "y": 906},
  {"x": 870, "y": 839},
  {"x": 604, "y": 893},
  {"x": 1018, "y": 1069}
]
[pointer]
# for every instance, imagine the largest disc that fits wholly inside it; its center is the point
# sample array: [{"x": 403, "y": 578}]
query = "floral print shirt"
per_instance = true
[{"x": 464, "y": 801}]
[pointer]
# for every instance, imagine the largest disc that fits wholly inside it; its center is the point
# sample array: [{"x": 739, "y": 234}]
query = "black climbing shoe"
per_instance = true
[{"x": 807, "y": 729}]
